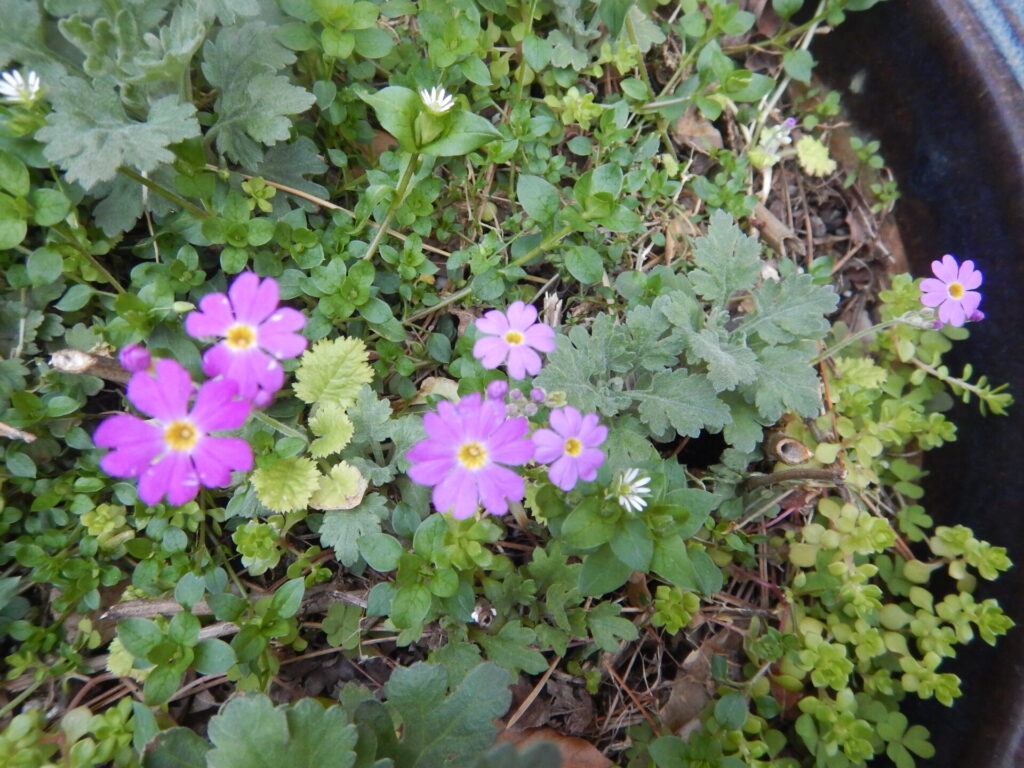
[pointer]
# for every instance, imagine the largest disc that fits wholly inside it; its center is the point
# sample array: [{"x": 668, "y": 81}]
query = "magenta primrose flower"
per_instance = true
[
  {"x": 173, "y": 453},
  {"x": 572, "y": 446},
  {"x": 256, "y": 335},
  {"x": 513, "y": 337},
  {"x": 952, "y": 290},
  {"x": 464, "y": 454}
]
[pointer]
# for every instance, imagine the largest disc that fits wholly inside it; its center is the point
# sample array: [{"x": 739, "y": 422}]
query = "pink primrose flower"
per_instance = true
[
  {"x": 571, "y": 445},
  {"x": 952, "y": 290},
  {"x": 256, "y": 335},
  {"x": 173, "y": 453},
  {"x": 464, "y": 454},
  {"x": 513, "y": 337}
]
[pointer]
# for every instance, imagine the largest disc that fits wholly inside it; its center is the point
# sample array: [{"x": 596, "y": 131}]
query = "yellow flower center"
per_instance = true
[
  {"x": 956, "y": 291},
  {"x": 472, "y": 455},
  {"x": 181, "y": 436},
  {"x": 573, "y": 447},
  {"x": 515, "y": 338},
  {"x": 241, "y": 336}
]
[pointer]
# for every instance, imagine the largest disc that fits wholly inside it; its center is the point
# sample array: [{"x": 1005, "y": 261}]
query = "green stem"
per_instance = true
[
  {"x": 853, "y": 337},
  {"x": 403, "y": 185},
  {"x": 521, "y": 70},
  {"x": 952, "y": 381},
  {"x": 17, "y": 700},
  {"x": 281, "y": 427},
  {"x": 161, "y": 190},
  {"x": 464, "y": 292},
  {"x": 64, "y": 231}
]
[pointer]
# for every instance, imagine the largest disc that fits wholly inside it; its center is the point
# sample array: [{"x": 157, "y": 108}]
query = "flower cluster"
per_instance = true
[
  {"x": 471, "y": 445},
  {"x": 174, "y": 453},
  {"x": 952, "y": 291}
]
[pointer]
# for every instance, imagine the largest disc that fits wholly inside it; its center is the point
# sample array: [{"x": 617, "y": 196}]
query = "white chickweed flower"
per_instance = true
[
  {"x": 437, "y": 100},
  {"x": 14, "y": 87},
  {"x": 629, "y": 490}
]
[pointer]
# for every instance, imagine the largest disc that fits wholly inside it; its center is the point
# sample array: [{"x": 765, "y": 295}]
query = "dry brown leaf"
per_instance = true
[
  {"x": 693, "y": 686},
  {"x": 576, "y": 753},
  {"x": 695, "y": 131}
]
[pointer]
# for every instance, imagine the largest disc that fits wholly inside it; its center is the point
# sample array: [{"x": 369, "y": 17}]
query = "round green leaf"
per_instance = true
[
  {"x": 44, "y": 265},
  {"x": 13, "y": 174},
  {"x": 49, "y": 206},
  {"x": 584, "y": 263},
  {"x": 213, "y": 657}
]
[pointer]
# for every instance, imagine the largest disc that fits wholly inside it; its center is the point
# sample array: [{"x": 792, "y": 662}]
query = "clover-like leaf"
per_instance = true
[
  {"x": 343, "y": 488},
  {"x": 334, "y": 430}
]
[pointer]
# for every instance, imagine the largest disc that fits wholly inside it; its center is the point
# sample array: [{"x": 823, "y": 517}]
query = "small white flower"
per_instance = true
[
  {"x": 16, "y": 88},
  {"x": 437, "y": 100},
  {"x": 629, "y": 490}
]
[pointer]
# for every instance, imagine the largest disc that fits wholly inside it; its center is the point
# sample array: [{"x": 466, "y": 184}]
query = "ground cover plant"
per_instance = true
[{"x": 382, "y": 378}]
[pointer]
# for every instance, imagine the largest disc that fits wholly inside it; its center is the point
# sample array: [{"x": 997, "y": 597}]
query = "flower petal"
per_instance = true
[
  {"x": 136, "y": 443},
  {"x": 549, "y": 446},
  {"x": 493, "y": 322},
  {"x": 564, "y": 473},
  {"x": 946, "y": 269},
  {"x": 523, "y": 361},
  {"x": 969, "y": 277},
  {"x": 457, "y": 493},
  {"x": 216, "y": 457},
  {"x": 213, "y": 318},
  {"x": 541, "y": 337},
  {"x": 261, "y": 303},
  {"x": 497, "y": 486},
  {"x": 278, "y": 334},
  {"x": 952, "y": 312},
  {"x": 490, "y": 351},
  {"x": 173, "y": 476},
  {"x": 164, "y": 394},
  {"x": 216, "y": 407},
  {"x": 521, "y": 315}
]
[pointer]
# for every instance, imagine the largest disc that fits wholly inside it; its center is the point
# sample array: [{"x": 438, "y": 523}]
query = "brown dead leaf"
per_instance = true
[
  {"x": 774, "y": 230},
  {"x": 576, "y": 753},
  {"x": 693, "y": 686},
  {"x": 695, "y": 131}
]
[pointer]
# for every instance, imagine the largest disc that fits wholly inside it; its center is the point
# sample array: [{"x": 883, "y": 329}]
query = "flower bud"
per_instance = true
[{"x": 134, "y": 358}]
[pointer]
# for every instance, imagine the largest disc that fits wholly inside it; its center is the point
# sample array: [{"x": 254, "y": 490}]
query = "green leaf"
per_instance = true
[
  {"x": 586, "y": 526},
  {"x": 633, "y": 545},
  {"x": 13, "y": 174},
  {"x": 380, "y": 551},
  {"x": 332, "y": 372},
  {"x": 709, "y": 576},
  {"x": 584, "y": 263},
  {"x": 213, "y": 657},
  {"x": 334, "y": 430},
  {"x": 13, "y": 226},
  {"x": 602, "y": 572},
  {"x": 189, "y": 589},
  {"x": 251, "y": 733},
  {"x": 139, "y": 636},
  {"x": 537, "y": 52},
  {"x": 798, "y": 64},
  {"x": 729, "y": 363},
  {"x": 397, "y": 108},
  {"x": 49, "y": 206},
  {"x": 786, "y": 381},
  {"x": 45, "y": 266},
  {"x": 287, "y": 599},
  {"x": 162, "y": 682},
  {"x": 686, "y": 402},
  {"x": 538, "y": 197},
  {"x": 731, "y": 711},
  {"x": 254, "y": 102},
  {"x": 791, "y": 308},
  {"x": 465, "y": 133},
  {"x": 727, "y": 260},
  {"x": 786, "y": 8},
  {"x": 342, "y": 528},
  {"x": 672, "y": 562},
  {"x": 608, "y": 628},
  {"x": 613, "y": 14},
  {"x": 476, "y": 70},
  {"x": 90, "y": 135},
  {"x": 341, "y": 625},
  {"x": 445, "y": 730},
  {"x": 176, "y": 748},
  {"x": 510, "y": 648},
  {"x": 374, "y": 43}
]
